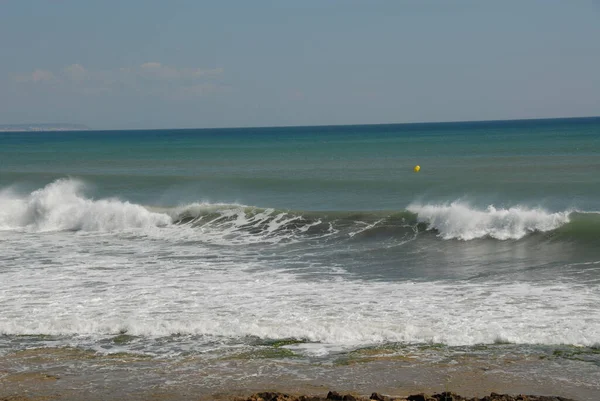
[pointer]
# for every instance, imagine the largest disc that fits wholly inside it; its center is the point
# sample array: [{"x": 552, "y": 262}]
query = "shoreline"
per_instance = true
[
  {"x": 71, "y": 374},
  {"x": 445, "y": 396},
  {"x": 33, "y": 394}
]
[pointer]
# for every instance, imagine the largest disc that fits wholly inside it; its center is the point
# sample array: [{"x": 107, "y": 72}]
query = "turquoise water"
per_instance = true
[
  {"x": 196, "y": 242},
  {"x": 541, "y": 162}
]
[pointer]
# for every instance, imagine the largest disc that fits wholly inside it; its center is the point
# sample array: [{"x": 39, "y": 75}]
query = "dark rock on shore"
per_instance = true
[{"x": 446, "y": 396}]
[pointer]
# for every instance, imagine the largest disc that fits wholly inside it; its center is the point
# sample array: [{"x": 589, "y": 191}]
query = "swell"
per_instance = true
[
  {"x": 453, "y": 221},
  {"x": 63, "y": 206}
]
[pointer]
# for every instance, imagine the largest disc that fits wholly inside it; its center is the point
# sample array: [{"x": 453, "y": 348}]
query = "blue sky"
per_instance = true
[{"x": 157, "y": 64}]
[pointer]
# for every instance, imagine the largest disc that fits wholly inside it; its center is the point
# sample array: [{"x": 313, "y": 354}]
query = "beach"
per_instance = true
[
  {"x": 70, "y": 374},
  {"x": 75, "y": 375}
]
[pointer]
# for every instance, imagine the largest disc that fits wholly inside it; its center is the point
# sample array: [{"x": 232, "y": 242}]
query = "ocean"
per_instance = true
[{"x": 221, "y": 259}]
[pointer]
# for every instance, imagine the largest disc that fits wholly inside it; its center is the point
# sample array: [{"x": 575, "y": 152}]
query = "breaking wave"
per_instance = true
[
  {"x": 63, "y": 206},
  {"x": 460, "y": 221}
]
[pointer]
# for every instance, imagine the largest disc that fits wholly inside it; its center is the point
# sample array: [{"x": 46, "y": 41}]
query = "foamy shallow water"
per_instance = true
[
  {"x": 394, "y": 370},
  {"x": 74, "y": 266}
]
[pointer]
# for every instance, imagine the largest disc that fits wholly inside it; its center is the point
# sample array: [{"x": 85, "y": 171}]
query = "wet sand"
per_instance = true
[{"x": 73, "y": 374}]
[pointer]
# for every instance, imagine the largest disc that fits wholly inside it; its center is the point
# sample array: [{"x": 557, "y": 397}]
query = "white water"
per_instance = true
[
  {"x": 69, "y": 285},
  {"x": 460, "y": 221},
  {"x": 61, "y": 206},
  {"x": 76, "y": 266}
]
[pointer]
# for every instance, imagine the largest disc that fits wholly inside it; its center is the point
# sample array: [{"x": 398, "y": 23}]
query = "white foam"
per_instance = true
[
  {"x": 61, "y": 205},
  {"x": 460, "y": 221},
  {"x": 234, "y": 224},
  {"x": 154, "y": 288},
  {"x": 94, "y": 283}
]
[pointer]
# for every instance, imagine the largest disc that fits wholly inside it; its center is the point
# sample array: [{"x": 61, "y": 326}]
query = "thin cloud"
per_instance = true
[
  {"x": 37, "y": 76},
  {"x": 76, "y": 72},
  {"x": 151, "y": 78},
  {"x": 159, "y": 71}
]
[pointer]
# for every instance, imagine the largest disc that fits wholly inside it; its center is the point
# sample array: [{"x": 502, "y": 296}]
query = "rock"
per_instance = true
[
  {"x": 417, "y": 397},
  {"x": 310, "y": 398},
  {"x": 498, "y": 397},
  {"x": 446, "y": 396},
  {"x": 335, "y": 396},
  {"x": 271, "y": 396}
]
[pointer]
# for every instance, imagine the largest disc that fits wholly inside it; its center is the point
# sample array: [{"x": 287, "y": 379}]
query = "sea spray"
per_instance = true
[
  {"x": 458, "y": 220},
  {"x": 61, "y": 205}
]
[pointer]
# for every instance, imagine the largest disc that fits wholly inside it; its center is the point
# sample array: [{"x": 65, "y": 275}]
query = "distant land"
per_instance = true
[{"x": 42, "y": 127}]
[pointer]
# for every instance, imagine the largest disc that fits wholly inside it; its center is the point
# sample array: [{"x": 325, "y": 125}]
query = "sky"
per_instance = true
[{"x": 137, "y": 64}]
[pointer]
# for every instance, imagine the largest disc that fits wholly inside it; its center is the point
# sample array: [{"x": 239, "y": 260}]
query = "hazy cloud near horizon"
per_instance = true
[{"x": 150, "y": 78}]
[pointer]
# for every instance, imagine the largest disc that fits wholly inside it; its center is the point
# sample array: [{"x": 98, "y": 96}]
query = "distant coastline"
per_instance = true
[{"x": 42, "y": 127}]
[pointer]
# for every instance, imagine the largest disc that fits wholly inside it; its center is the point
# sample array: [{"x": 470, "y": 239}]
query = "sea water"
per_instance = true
[{"x": 299, "y": 249}]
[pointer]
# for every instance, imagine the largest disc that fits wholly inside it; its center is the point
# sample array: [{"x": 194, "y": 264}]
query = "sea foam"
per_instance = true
[
  {"x": 458, "y": 220},
  {"x": 61, "y": 206},
  {"x": 180, "y": 283},
  {"x": 238, "y": 303}
]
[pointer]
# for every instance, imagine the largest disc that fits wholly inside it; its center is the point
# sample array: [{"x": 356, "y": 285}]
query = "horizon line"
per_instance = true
[
  {"x": 305, "y": 126},
  {"x": 352, "y": 125}
]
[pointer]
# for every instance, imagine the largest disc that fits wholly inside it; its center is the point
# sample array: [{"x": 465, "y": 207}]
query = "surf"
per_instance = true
[
  {"x": 458, "y": 220},
  {"x": 63, "y": 205}
]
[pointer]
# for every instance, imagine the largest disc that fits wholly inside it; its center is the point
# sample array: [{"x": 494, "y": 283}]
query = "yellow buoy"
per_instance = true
[{"x": 417, "y": 168}]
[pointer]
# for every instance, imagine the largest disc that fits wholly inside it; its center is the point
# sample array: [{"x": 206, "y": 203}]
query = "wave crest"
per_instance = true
[
  {"x": 61, "y": 206},
  {"x": 458, "y": 220}
]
